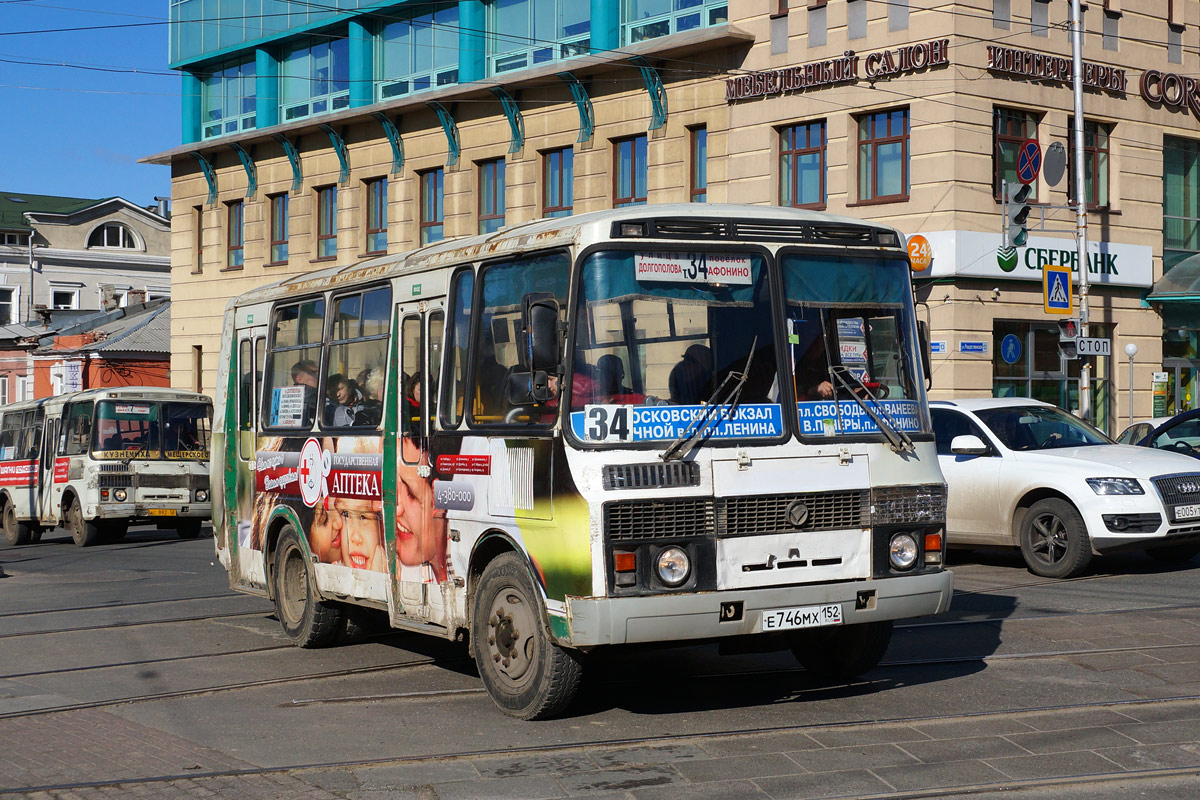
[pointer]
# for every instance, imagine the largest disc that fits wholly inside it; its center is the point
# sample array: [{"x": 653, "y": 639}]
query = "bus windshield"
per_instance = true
[
  {"x": 852, "y": 344},
  {"x": 657, "y": 334},
  {"x": 129, "y": 429}
]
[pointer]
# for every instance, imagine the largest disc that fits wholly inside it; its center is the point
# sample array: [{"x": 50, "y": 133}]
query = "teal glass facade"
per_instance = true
[{"x": 257, "y": 63}]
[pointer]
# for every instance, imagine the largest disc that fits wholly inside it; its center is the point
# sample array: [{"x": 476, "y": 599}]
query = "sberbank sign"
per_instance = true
[{"x": 983, "y": 255}]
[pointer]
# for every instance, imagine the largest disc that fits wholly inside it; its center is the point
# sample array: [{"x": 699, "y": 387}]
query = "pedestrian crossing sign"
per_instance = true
[{"x": 1056, "y": 290}]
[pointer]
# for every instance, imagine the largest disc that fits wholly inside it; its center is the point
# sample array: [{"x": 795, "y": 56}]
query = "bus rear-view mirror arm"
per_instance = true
[{"x": 926, "y": 362}]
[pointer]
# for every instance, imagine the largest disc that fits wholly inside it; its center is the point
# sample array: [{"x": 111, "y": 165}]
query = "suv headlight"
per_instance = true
[{"x": 1115, "y": 486}]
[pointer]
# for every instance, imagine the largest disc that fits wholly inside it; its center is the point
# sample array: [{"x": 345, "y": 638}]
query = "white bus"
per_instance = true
[
  {"x": 654, "y": 424},
  {"x": 97, "y": 461}
]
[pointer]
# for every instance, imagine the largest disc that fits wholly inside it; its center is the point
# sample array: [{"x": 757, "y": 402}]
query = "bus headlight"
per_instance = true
[
  {"x": 120, "y": 495},
  {"x": 202, "y": 495},
  {"x": 903, "y": 550},
  {"x": 673, "y": 565}
]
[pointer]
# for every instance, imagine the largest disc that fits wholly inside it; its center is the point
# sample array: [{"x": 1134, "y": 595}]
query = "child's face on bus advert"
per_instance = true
[
  {"x": 419, "y": 534},
  {"x": 361, "y": 539},
  {"x": 325, "y": 535}
]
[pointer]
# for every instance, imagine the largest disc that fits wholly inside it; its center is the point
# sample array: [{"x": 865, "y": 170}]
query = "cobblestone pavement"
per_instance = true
[{"x": 1114, "y": 747}]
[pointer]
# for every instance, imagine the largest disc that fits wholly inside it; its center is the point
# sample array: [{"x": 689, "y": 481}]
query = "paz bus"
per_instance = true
[
  {"x": 97, "y": 461},
  {"x": 663, "y": 423}
]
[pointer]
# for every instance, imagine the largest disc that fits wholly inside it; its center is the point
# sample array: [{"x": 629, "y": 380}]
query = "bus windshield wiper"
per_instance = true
[
  {"x": 897, "y": 438},
  {"x": 141, "y": 449},
  {"x": 693, "y": 433}
]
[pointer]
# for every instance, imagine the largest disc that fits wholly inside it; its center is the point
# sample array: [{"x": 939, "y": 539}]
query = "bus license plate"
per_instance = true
[
  {"x": 783, "y": 619},
  {"x": 161, "y": 512},
  {"x": 1187, "y": 512}
]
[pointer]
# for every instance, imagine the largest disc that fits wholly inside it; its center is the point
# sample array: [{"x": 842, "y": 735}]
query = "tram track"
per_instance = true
[
  {"x": 301, "y": 769},
  {"x": 123, "y": 604}
]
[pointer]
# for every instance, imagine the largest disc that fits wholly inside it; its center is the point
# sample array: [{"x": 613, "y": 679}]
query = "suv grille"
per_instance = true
[{"x": 1179, "y": 489}]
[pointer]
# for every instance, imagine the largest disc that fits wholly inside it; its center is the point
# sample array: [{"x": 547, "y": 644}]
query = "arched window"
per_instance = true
[{"x": 114, "y": 235}]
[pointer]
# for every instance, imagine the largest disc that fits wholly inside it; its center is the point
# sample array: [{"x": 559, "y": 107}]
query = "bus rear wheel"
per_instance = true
[
  {"x": 188, "y": 528},
  {"x": 842, "y": 653},
  {"x": 307, "y": 620},
  {"x": 524, "y": 671},
  {"x": 15, "y": 531},
  {"x": 84, "y": 532}
]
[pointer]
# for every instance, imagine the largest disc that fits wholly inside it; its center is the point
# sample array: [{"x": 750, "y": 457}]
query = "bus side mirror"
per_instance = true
[
  {"x": 527, "y": 388},
  {"x": 538, "y": 347},
  {"x": 926, "y": 362}
]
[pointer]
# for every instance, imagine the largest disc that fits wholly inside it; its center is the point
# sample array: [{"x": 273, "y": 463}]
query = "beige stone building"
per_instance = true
[{"x": 905, "y": 112}]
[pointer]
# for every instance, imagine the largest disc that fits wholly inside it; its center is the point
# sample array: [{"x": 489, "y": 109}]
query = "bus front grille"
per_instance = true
[
  {"x": 115, "y": 480},
  {"x": 656, "y": 475},
  {"x": 806, "y": 511},
  {"x": 658, "y": 519}
]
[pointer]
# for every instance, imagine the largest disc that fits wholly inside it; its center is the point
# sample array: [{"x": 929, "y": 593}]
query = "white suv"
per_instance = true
[{"x": 1026, "y": 474}]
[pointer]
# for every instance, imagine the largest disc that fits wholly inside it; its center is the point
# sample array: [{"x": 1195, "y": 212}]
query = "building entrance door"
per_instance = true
[{"x": 1183, "y": 381}]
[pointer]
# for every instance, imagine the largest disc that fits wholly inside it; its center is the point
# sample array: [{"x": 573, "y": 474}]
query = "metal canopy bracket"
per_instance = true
[
  {"x": 393, "y": 136},
  {"x": 515, "y": 122},
  {"x": 656, "y": 90},
  {"x": 447, "y": 120},
  {"x": 293, "y": 158},
  {"x": 210, "y": 175},
  {"x": 339, "y": 147},
  {"x": 247, "y": 164},
  {"x": 587, "y": 118}
]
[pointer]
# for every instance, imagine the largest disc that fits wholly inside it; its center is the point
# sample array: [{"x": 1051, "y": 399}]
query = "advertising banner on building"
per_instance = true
[{"x": 984, "y": 255}]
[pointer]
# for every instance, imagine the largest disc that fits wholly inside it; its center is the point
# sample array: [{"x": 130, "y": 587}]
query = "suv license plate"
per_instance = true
[
  {"x": 1187, "y": 512},
  {"x": 161, "y": 512},
  {"x": 783, "y": 619}
]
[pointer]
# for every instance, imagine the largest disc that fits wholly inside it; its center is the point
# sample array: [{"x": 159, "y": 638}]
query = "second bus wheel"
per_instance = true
[
  {"x": 15, "y": 531},
  {"x": 115, "y": 531},
  {"x": 188, "y": 528},
  {"x": 306, "y": 619},
  {"x": 85, "y": 532},
  {"x": 842, "y": 652},
  {"x": 525, "y": 672}
]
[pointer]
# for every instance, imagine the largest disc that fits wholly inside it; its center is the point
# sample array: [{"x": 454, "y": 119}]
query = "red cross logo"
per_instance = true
[{"x": 305, "y": 472}]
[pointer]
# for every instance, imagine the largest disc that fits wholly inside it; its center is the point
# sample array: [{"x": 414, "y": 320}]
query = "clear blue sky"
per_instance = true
[{"x": 78, "y": 128}]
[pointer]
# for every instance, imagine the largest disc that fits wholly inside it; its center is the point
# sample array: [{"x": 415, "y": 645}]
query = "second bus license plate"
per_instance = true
[
  {"x": 161, "y": 512},
  {"x": 783, "y": 619}
]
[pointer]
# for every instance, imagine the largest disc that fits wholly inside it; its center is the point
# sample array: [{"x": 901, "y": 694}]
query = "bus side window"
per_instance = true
[
  {"x": 8, "y": 436},
  {"x": 458, "y": 333},
  {"x": 356, "y": 360},
  {"x": 411, "y": 376},
  {"x": 433, "y": 360},
  {"x": 245, "y": 386},
  {"x": 290, "y": 399},
  {"x": 78, "y": 429}
]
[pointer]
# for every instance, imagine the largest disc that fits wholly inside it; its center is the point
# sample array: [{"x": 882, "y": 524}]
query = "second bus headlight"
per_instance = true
[
  {"x": 202, "y": 495},
  {"x": 119, "y": 495},
  {"x": 673, "y": 565},
  {"x": 902, "y": 551}
]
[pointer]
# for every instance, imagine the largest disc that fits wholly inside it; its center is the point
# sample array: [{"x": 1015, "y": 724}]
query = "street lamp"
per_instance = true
[{"x": 1131, "y": 351}]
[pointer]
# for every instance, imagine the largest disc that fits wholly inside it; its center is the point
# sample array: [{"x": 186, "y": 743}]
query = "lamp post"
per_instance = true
[{"x": 1131, "y": 351}]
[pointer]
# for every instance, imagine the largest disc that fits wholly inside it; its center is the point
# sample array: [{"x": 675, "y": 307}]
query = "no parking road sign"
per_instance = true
[
  {"x": 1029, "y": 161},
  {"x": 1056, "y": 290}
]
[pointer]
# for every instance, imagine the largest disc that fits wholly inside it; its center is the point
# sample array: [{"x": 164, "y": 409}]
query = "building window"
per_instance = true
[
  {"x": 649, "y": 19},
  {"x": 629, "y": 172},
  {"x": 699, "y": 193},
  {"x": 491, "y": 195},
  {"x": 559, "y": 180},
  {"x": 1039, "y": 17},
  {"x": 898, "y": 15},
  {"x": 1111, "y": 33},
  {"x": 198, "y": 228},
  {"x": 856, "y": 18},
  {"x": 8, "y": 307},
  {"x": 236, "y": 232},
  {"x": 432, "y": 212},
  {"x": 377, "y": 197},
  {"x": 1001, "y": 14},
  {"x": 802, "y": 165},
  {"x": 315, "y": 78},
  {"x": 530, "y": 32},
  {"x": 113, "y": 235},
  {"x": 418, "y": 52},
  {"x": 883, "y": 156},
  {"x": 1181, "y": 200},
  {"x": 327, "y": 222},
  {"x": 279, "y": 228},
  {"x": 1011, "y": 129},
  {"x": 64, "y": 298},
  {"x": 4, "y": 389},
  {"x": 228, "y": 98},
  {"x": 1095, "y": 164},
  {"x": 817, "y": 27},
  {"x": 14, "y": 239}
]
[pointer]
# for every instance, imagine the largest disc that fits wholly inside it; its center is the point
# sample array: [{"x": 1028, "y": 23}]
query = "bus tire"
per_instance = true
[
  {"x": 84, "y": 532},
  {"x": 842, "y": 653},
  {"x": 188, "y": 528},
  {"x": 524, "y": 671},
  {"x": 115, "y": 531},
  {"x": 307, "y": 620},
  {"x": 15, "y": 531},
  {"x": 1054, "y": 539}
]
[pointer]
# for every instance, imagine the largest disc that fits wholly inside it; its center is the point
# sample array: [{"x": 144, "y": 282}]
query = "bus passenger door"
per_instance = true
[
  {"x": 50, "y": 485},
  {"x": 422, "y": 582},
  {"x": 251, "y": 355}
]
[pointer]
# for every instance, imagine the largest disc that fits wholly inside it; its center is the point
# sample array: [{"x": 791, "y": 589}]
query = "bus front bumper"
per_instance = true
[
  {"x": 680, "y": 617},
  {"x": 148, "y": 512}
]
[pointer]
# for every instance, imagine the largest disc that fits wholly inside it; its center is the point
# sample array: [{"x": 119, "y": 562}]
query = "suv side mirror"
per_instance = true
[
  {"x": 538, "y": 346},
  {"x": 968, "y": 445}
]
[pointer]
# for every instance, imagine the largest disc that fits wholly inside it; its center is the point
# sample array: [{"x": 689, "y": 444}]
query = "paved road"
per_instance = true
[{"x": 130, "y": 669}]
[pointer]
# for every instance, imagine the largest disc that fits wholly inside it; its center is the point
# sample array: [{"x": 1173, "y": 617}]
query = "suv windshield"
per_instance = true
[
  {"x": 853, "y": 318},
  {"x": 129, "y": 429},
  {"x": 658, "y": 332},
  {"x": 1039, "y": 428}
]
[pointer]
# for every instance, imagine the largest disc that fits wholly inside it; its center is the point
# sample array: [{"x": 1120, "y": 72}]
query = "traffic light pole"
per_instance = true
[{"x": 1081, "y": 219}]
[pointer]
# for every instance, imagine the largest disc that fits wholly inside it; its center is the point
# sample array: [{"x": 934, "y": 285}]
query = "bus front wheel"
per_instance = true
[
  {"x": 15, "y": 531},
  {"x": 843, "y": 652},
  {"x": 524, "y": 671},
  {"x": 306, "y": 619},
  {"x": 84, "y": 532},
  {"x": 188, "y": 528}
]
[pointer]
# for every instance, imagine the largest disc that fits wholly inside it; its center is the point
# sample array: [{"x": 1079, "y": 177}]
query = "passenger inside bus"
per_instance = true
[
  {"x": 370, "y": 381},
  {"x": 304, "y": 373},
  {"x": 343, "y": 401},
  {"x": 412, "y": 404},
  {"x": 812, "y": 372},
  {"x": 691, "y": 380}
]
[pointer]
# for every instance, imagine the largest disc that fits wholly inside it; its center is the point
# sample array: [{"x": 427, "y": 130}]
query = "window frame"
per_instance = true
[
  {"x": 302, "y": 105},
  {"x": 273, "y": 351},
  {"x": 235, "y": 235},
  {"x": 73, "y": 292},
  {"x": 492, "y": 181},
  {"x": 198, "y": 252},
  {"x": 326, "y": 228},
  {"x": 1091, "y": 158},
  {"x": 874, "y": 142},
  {"x": 375, "y": 218},
  {"x": 124, "y": 233},
  {"x": 438, "y": 221},
  {"x": 1008, "y": 138},
  {"x": 636, "y": 166},
  {"x": 698, "y": 152},
  {"x": 796, "y": 152},
  {"x": 279, "y": 221},
  {"x": 560, "y": 179},
  {"x": 330, "y": 343}
]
